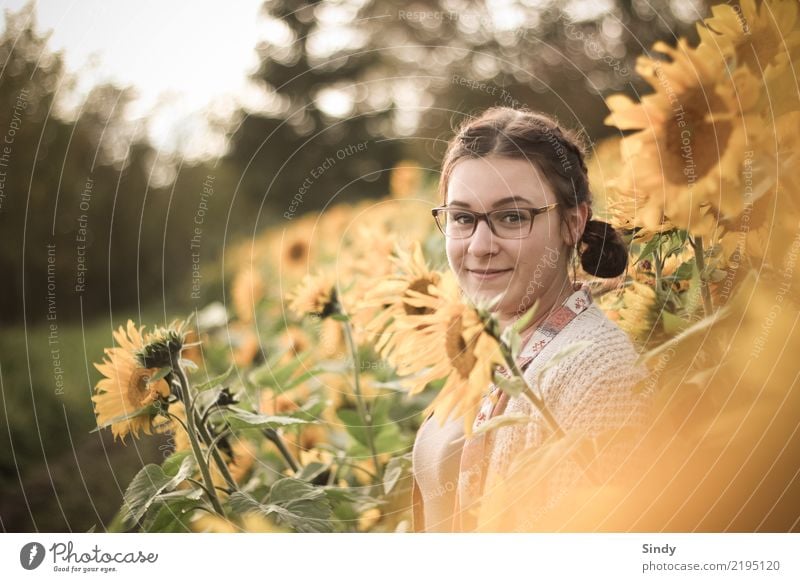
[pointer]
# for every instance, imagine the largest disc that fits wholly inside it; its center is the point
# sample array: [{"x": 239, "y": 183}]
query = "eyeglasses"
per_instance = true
[{"x": 510, "y": 223}]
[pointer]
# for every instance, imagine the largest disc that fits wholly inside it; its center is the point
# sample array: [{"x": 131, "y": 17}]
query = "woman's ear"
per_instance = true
[{"x": 575, "y": 220}]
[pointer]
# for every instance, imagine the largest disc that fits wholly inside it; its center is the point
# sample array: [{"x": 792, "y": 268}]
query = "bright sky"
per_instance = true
[{"x": 182, "y": 56}]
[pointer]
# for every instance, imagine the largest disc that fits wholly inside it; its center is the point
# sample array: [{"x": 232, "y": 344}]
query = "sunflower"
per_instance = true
[
  {"x": 293, "y": 342},
  {"x": 760, "y": 36},
  {"x": 405, "y": 179},
  {"x": 693, "y": 133},
  {"x": 126, "y": 385},
  {"x": 315, "y": 296},
  {"x": 388, "y": 299},
  {"x": 638, "y": 314},
  {"x": 296, "y": 253},
  {"x": 246, "y": 291},
  {"x": 444, "y": 338},
  {"x": 176, "y": 428}
]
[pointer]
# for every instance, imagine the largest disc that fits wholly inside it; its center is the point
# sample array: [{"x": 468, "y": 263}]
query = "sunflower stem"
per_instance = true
[
  {"x": 192, "y": 432},
  {"x": 699, "y": 255},
  {"x": 273, "y": 436},
  {"x": 539, "y": 403},
  {"x": 363, "y": 410},
  {"x": 658, "y": 268},
  {"x": 534, "y": 398},
  {"x": 218, "y": 460}
]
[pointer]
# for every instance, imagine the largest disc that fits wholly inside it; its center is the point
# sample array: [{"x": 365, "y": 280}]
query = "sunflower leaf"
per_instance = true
[
  {"x": 206, "y": 399},
  {"x": 673, "y": 324},
  {"x": 291, "y": 502},
  {"x": 242, "y": 419},
  {"x": 281, "y": 378},
  {"x": 172, "y": 514},
  {"x": 394, "y": 471},
  {"x": 189, "y": 365},
  {"x": 162, "y": 373},
  {"x": 649, "y": 248},
  {"x": 147, "y": 485},
  {"x": 215, "y": 381},
  {"x": 502, "y": 420},
  {"x": 512, "y": 386},
  {"x": 150, "y": 410},
  {"x": 311, "y": 410},
  {"x": 173, "y": 463},
  {"x": 561, "y": 355}
]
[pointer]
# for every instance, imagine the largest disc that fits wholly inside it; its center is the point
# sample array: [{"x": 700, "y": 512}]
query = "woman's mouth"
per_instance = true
[{"x": 487, "y": 274}]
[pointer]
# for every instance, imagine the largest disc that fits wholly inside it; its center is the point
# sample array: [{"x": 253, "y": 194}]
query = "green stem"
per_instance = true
[
  {"x": 699, "y": 255},
  {"x": 539, "y": 403},
  {"x": 535, "y": 400},
  {"x": 363, "y": 411},
  {"x": 198, "y": 455},
  {"x": 658, "y": 267},
  {"x": 276, "y": 439},
  {"x": 220, "y": 462}
]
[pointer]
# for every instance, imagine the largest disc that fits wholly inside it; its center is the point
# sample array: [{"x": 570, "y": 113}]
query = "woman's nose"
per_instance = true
[{"x": 483, "y": 241}]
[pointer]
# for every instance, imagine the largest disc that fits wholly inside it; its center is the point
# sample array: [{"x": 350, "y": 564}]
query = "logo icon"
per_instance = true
[{"x": 31, "y": 555}]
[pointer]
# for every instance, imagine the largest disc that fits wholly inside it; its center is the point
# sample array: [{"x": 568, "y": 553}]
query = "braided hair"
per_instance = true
[{"x": 536, "y": 137}]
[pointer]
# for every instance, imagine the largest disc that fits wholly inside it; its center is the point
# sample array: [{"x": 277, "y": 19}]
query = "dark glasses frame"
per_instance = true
[{"x": 440, "y": 210}]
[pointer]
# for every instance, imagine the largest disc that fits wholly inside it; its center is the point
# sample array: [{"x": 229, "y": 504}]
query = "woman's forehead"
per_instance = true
[{"x": 493, "y": 181}]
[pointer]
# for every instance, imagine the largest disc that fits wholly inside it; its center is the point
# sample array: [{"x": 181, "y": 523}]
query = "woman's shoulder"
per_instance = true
[
  {"x": 592, "y": 360},
  {"x": 590, "y": 342}
]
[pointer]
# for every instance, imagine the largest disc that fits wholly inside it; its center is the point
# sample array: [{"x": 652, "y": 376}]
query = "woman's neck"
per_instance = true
[{"x": 547, "y": 302}]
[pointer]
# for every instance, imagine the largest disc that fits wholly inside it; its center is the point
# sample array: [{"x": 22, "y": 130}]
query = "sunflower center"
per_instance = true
[
  {"x": 459, "y": 351},
  {"x": 297, "y": 251},
  {"x": 420, "y": 286},
  {"x": 759, "y": 49},
  {"x": 696, "y": 146},
  {"x": 140, "y": 392}
]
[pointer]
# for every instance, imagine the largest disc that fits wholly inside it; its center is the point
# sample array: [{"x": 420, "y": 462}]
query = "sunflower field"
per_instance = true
[{"x": 292, "y": 402}]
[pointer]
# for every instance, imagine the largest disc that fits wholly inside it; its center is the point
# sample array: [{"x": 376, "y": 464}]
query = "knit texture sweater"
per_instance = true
[{"x": 591, "y": 391}]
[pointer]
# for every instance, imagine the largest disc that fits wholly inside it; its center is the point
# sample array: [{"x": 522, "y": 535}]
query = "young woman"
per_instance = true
[{"x": 516, "y": 212}]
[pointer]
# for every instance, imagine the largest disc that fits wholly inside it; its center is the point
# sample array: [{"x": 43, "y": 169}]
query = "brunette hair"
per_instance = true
[{"x": 558, "y": 154}]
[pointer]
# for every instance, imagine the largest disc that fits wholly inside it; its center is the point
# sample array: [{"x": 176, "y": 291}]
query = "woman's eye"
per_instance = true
[
  {"x": 512, "y": 217},
  {"x": 463, "y": 218}
]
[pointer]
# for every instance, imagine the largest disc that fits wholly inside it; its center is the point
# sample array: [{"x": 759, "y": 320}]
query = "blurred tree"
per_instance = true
[
  {"x": 316, "y": 138},
  {"x": 335, "y": 73},
  {"x": 117, "y": 215}
]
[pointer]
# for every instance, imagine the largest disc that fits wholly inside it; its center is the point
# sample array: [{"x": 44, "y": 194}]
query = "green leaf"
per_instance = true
[
  {"x": 689, "y": 332},
  {"x": 685, "y": 270},
  {"x": 149, "y": 410},
  {"x": 173, "y": 463},
  {"x": 649, "y": 248},
  {"x": 513, "y": 386},
  {"x": 162, "y": 373},
  {"x": 353, "y": 424},
  {"x": 242, "y": 419},
  {"x": 311, "y": 410},
  {"x": 291, "y": 502},
  {"x": 206, "y": 399},
  {"x": 189, "y": 365},
  {"x": 216, "y": 380},
  {"x": 147, "y": 485},
  {"x": 673, "y": 324},
  {"x": 568, "y": 351},
  {"x": 502, "y": 420},
  {"x": 312, "y": 471},
  {"x": 172, "y": 515},
  {"x": 282, "y": 378},
  {"x": 394, "y": 471}
]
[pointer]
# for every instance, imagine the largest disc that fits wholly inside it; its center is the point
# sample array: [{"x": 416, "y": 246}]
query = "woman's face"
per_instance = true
[{"x": 519, "y": 270}]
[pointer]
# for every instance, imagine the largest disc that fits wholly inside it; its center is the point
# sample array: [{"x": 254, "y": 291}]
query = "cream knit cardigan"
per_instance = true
[{"x": 591, "y": 390}]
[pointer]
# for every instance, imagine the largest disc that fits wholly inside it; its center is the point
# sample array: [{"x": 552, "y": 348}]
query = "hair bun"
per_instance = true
[{"x": 604, "y": 254}]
